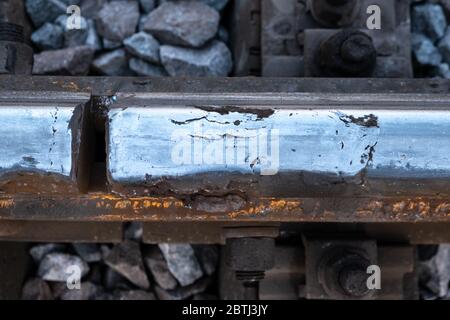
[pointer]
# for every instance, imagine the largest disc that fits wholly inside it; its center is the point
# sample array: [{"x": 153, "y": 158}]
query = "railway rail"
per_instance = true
[
  {"x": 306, "y": 182},
  {"x": 349, "y": 150}
]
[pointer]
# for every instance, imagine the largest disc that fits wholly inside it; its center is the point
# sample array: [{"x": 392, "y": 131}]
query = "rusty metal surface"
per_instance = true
[
  {"x": 328, "y": 259},
  {"x": 245, "y": 27},
  {"x": 205, "y": 232},
  {"x": 112, "y": 85},
  {"x": 399, "y": 232},
  {"x": 107, "y": 207},
  {"x": 318, "y": 52},
  {"x": 281, "y": 54},
  {"x": 13, "y": 11},
  {"x": 285, "y": 279},
  {"x": 413, "y": 200},
  {"x": 292, "y": 30},
  {"x": 60, "y": 231},
  {"x": 398, "y": 281}
]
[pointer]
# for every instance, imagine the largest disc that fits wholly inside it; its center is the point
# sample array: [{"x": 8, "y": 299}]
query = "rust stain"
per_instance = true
[
  {"x": 6, "y": 203},
  {"x": 329, "y": 214},
  {"x": 420, "y": 206},
  {"x": 70, "y": 86},
  {"x": 273, "y": 205},
  {"x": 135, "y": 203},
  {"x": 371, "y": 208},
  {"x": 443, "y": 207},
  {"x": 424, "y": 208},
  {"x": 113, "y": 207},
  {"x": 398, "y": 207},
  {"x": 122, "y": 204}
]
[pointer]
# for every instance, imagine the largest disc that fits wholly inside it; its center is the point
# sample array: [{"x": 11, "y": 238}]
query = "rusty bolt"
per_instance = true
[
  {"x": 16, "y": 57},
  {"x": 250, "y": 258},
  {"x": 343, "y": 273},
  {"x": 347, "y": 53},
  {"x": 353, "y": 279},
  {"x": 356, "y": 48}
]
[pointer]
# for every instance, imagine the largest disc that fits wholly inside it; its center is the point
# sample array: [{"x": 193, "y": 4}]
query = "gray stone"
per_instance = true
[
  {"x": 126, "y": 259},
  {"x": 443, "y": 70},
  {"x": 90, "y": 8},
  {"x": 76, "y": 37},
  {"x": 70, "y": 2},
  {"x": 113, "y": 280},
  {"x": 223, "y": 35},
  {"x": 155, "y": 262},
  {"x": 182, "y": 293},
  {"x": 117, "y": 20},
  {"x": 104, "y": 248},
  {"x": 144, "y": 46},
  {"x": 444, "y": 46},
  {"x": 183, "y": 23},
  {"x": 216, "y": 4},
  {"x": 61, "y": 21},
  {"x": 134, "y": 295},
  {"x": 73, "y": 37},
  {"x": 425, "y": 51},
  {"x": 73, "y": 61},
  {"x": 429, "y": 19},
  {"x": 58, "y": 288},
  {"x": 133, "y": 230},
  {"x": 434, "y": 273},
  {"x": 210, "y": 61},
  {"x": 42, "y": 11},
  {"x": 36, "y": 289},
  {"x": 95, "y": 275},
  {"x": 38, "y": 252},
  {"x": 428, "y": 295},
  {"x": 145, "y": 69},
  {"x": 48, "y": 37},
  {"x": 110, "y": 45},
  {"x": 54, "y": 266},
  {"x": 142, "y": 22},
  {"x": 147, "y": 5},
  {"x": 113, "y": 63},
  {"x": 446, "y": 6},
  {"x": 89, "y": 252},
  {"x": 208, "y": 255},
  {"x": 182, "y": 262},
  {"x": 87, "y": 291},
  {"x": 92, "y": 39}
]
